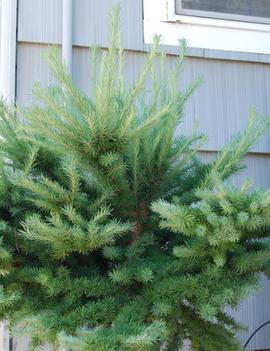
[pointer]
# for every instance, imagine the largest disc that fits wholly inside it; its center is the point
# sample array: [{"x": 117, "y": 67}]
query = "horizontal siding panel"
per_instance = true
[
  {"x": 257, "y": 168},
  {"x": 92, "y": 22},
  {"x": 220, "y": 105},
  {"x": 252, "y": 313},
  {"x": 37, "y": 70},
  {"x": 40, "y": 21}
]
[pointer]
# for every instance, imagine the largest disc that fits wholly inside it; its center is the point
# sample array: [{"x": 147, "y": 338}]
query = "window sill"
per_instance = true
[
  {"x": 215, "y": 22},
  {"x": 221, "y": 37}
]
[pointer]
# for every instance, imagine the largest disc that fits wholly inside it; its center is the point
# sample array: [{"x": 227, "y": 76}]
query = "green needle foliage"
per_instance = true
[{"x": 114, "y": 236}]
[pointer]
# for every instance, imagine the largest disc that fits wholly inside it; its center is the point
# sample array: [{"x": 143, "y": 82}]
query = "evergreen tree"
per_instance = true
[{"x": 114, "y": 234}]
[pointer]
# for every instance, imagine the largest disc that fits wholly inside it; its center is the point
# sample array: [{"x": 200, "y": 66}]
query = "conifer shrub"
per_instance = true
[{"x": 114, "y": 234}]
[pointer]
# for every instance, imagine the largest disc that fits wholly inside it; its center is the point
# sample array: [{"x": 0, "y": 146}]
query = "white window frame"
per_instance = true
[
  {"x": 221, "y": 15},
  {"x": 201, "y": 32}
]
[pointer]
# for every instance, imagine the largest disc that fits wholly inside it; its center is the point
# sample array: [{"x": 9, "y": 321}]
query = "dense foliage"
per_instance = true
[{"x": 114, "y": 234}]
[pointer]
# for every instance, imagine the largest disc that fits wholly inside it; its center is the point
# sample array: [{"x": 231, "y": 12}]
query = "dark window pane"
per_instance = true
[{"x": 254, "y": 8}]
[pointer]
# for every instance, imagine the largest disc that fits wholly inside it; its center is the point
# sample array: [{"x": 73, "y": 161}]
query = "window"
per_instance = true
[
  {"x": 239, "y": 10},
  {"x": 238, "y": 26}
]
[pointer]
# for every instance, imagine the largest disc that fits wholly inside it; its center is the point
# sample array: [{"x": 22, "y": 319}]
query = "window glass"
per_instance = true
[{"x": 250, "y": 8}]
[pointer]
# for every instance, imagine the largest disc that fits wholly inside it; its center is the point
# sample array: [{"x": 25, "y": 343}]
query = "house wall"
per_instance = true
[{"x": 220, "y": 105}]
